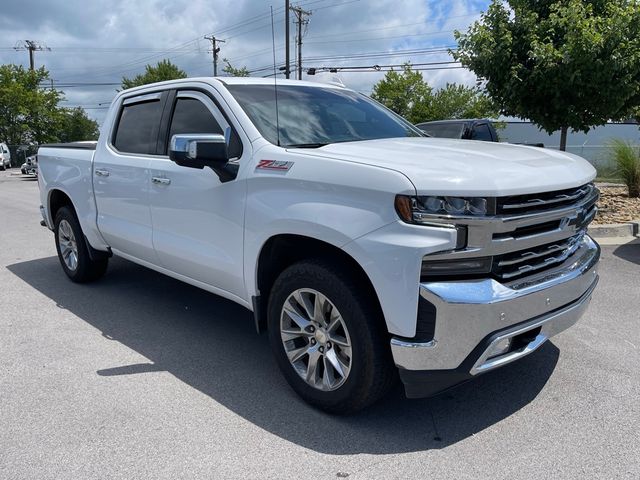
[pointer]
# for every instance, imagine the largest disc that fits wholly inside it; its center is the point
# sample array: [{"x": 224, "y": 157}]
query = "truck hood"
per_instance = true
[{"x": 439, "y": 166}]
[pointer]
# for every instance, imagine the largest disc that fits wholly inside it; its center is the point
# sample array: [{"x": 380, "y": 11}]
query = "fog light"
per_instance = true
[{"x": 500, "y": 348}]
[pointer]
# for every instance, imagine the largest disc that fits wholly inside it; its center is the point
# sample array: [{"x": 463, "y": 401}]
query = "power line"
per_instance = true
[
  {"x": 31, "y": 46},
  {"x": 301, "y": 20},
  {"x": 214, "y": 50}
]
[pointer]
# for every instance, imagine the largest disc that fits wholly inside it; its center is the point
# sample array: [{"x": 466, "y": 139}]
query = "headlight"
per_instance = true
[{"x": 418, "y": 209}]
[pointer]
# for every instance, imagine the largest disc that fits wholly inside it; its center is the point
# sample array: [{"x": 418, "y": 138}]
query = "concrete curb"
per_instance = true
[{"x": 615, "y": 230}]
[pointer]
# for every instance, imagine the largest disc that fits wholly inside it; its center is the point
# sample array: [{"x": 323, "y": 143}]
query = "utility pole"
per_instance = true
[
  {"x": 301, "y": 21},
  {"x": 31, "y": 46},
  {"x": 214, "y": 49},
  {"x": 287, "y": 62}
]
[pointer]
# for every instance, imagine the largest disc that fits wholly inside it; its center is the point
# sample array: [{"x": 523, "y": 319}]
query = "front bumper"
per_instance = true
[{"x": 474, "y": 316}]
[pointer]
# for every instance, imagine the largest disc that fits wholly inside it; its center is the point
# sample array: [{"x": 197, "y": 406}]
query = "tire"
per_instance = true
[
  {"x": 365, "y": 370},
  {"x": 72, "y": 249}
]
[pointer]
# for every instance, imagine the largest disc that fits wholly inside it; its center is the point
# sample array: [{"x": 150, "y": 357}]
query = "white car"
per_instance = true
[
  {"x": 5, "y": 156},
  {"x": 363, "y": 247}
]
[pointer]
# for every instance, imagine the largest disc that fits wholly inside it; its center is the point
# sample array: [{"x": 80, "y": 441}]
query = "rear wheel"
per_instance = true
[
  {"x": 328, "y": 338},
  {"x": 72, "y": 249}
]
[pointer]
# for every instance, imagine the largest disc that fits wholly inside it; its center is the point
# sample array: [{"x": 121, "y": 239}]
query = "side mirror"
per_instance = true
[{"x": 199, "y": 150}]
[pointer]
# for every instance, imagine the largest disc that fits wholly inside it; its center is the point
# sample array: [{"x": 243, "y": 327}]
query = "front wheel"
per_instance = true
[
  {"x": 328, "y": 337},
  {"x": 72, "y": 249}
]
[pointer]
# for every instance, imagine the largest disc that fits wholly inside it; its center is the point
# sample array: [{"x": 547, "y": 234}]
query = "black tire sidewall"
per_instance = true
[
  {"x": 324, "y": 278},
  {"x": 80, "y": 273}
]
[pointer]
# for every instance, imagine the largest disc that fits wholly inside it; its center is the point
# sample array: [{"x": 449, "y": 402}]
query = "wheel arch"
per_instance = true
[
  {"x": 283, "y": 250},
  {"x": 56, "y": 200}
]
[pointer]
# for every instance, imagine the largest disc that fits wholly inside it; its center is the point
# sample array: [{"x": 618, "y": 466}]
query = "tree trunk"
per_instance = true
[{"x": 563, "y": 138}]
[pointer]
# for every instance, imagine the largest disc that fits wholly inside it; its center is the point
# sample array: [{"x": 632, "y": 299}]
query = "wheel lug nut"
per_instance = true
[
  {"x": 313, "y": 341},
  {"x": 328, "y": 344},
  {"x": 321, "y": 349},
  {"x": 312, "y": 329}
]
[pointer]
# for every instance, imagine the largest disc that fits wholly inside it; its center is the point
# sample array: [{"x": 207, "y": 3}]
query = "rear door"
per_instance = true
[
  {"x": 121, "y": 177},
  {"x": 197, "y": 219}
]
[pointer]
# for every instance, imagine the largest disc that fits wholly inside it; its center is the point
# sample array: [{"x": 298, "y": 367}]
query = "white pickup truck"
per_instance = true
[{"x": 363, "y": 247}]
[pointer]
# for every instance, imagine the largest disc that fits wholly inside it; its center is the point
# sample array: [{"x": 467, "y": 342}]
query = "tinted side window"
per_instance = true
[
  {"x": 443, "y": 130},
  {"x": 192, "y": 116},
  {"x": 482, "y": 132},
  {"x": 138, "y": 127}
]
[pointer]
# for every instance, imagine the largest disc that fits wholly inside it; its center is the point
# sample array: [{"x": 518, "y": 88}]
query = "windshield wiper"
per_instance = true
[{"x": 306, "y": 145}]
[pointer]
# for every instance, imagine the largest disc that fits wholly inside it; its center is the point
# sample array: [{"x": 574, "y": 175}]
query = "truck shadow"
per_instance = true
[
  {"x": 629, "y": 252},
  {"x": 210, "y": 344}
]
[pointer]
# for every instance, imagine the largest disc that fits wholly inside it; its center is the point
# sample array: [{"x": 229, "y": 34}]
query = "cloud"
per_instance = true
[{"x": 101, "y": 41}]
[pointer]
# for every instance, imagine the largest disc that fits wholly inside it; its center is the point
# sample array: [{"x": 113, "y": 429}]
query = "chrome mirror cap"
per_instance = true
[{"x": 186, "y": 144}]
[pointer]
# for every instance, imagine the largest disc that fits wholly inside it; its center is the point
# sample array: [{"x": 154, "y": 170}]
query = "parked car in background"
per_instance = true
[
  {"x": 30, "y": 166},
  {"x": 468, "y": 129},
  {"x": 5, "y": 156}
]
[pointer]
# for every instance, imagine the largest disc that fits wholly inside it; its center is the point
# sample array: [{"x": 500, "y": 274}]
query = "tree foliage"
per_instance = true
[
  {"x": 77, "y": 126},
  {"x": 409, "y": 95},
  {"x": 28, "y": 113},
  {"x": 460, "y": 101},
  {"x": 164, "y": 70},
  {"x": 234, "y": 72},
  {"x": 560, "y": 63},
  {"x": 404, "y": 92}
]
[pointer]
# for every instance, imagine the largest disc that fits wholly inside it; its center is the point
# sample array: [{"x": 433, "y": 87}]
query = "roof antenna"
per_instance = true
[{"x": 275, "y": 77}]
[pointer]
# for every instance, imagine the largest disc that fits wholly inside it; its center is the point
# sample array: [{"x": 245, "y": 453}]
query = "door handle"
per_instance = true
[
  {"x": 102, "y": 173},
  {"x": 161, "y": 180}
]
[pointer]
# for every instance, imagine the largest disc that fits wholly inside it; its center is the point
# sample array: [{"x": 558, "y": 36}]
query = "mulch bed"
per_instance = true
[{"x": 615, "y": 206}]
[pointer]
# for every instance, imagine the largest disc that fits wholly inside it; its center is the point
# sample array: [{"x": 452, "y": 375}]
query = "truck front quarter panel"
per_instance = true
[{"x": 338, "y": 208}]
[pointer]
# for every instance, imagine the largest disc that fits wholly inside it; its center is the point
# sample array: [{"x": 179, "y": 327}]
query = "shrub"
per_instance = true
[{"x": 626, "y": 158}]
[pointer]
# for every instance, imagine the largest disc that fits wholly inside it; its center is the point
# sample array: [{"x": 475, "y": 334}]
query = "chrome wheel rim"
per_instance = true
[
  {"x": 315, "y": 339},
  {"x": 68, "y": 245}
]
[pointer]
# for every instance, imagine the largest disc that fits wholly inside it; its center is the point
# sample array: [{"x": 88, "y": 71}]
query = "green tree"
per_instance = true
[
  {"x": 234, "y": 72},
  {"x": 560, "y": 63},
  {"x": 28, "y": 113},
  {"x": 77, "y": 126},
  {"x": 410, "y": 96},
  {"x": 404, "y": 92},
  {"x": 164, "y": 70},
  {"x": 460, "y": 101}
]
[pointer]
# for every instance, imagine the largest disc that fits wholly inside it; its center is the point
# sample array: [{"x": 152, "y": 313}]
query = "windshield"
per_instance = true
[
  {"x": 443, "y": 130},
  {"x": 315, "y": 116}
]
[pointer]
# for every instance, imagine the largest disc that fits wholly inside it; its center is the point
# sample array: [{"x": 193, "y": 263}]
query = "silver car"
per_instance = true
[
  {"x": 30, "y": 166},
  {"x": 5, "y": 156}
]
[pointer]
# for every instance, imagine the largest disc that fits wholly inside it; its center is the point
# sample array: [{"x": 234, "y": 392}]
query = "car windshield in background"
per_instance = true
[
  {"x": 310, "y": 117},
  {"x": 443, "y": 130}
]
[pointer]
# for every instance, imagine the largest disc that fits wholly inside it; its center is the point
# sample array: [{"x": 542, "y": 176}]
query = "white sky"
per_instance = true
[{"x": 99, "y": 41}]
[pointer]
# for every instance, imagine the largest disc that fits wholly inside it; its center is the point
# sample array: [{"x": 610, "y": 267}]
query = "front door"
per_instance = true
[{"x": 198, "y": 221}]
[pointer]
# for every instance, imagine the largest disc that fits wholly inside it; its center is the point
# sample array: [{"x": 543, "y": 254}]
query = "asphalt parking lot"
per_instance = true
[{"x": 141, "y": 376}]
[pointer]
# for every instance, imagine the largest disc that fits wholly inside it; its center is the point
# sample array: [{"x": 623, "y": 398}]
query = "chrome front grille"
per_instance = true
[
  {"x": 535, "y": 259},
  {"x": 520, "y": 204},
  {"x": 528, "y": 234}
]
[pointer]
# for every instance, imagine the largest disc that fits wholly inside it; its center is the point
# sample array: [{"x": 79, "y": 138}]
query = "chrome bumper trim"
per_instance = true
[
  {"x": 550, "y": 325},
  {"x": 469, "y": 311}
]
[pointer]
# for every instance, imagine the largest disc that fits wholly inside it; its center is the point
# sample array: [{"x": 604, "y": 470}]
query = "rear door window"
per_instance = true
[{"x": 138, "y": 127}]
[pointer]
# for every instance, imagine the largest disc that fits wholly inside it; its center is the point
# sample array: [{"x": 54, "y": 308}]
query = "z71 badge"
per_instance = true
[{"x": 274, "y": 165}]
